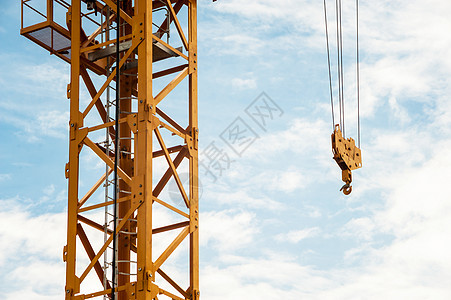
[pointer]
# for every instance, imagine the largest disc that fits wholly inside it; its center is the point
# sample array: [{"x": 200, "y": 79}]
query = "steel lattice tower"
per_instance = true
[{"x": 154, "y": 141}]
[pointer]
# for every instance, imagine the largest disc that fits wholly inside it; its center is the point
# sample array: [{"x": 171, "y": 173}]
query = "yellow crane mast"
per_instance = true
[{"x": 140, "y": 54}]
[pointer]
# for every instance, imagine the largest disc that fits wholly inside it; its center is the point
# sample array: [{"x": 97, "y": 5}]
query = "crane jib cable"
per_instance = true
[
  {"x": 116, "y": 153},
  {"x": 339, "y": 14},
  {"x": 328, "y": 63},
  {"x": 358, "y": 70}
]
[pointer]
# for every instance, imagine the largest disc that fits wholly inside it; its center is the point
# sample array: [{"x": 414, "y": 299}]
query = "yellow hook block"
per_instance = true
[{"x": 348, "y": 157}]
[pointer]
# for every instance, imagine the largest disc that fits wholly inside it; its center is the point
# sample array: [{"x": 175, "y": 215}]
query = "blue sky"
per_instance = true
[{"x": 273, "y": 223}]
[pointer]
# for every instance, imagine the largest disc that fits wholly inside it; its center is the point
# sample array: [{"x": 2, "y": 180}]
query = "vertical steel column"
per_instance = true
[
  {"x": 126, "y": 164},
  {"x": 193, "y": 162},
  {"x": 143, "y": 154},
  {"x": 76, "y": 122},
  {"x": 49, "y": 10}
]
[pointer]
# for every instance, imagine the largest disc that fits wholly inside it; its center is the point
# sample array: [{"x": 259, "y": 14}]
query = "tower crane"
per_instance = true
[
  {"x": 125, "y": 55},
  {"x": 130, "y": 56}
]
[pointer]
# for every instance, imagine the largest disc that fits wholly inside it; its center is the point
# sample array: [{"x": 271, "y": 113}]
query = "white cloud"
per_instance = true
[
  {"x": 31, "y": 250},
  {"x": 298, "y": 138},
  {"x": 259, "y": 28},
  {"x": 399, "y": 112},
  {"x": 255, "y": 278},
  {"x": 360, "y": 227},
  {"x": 53, "y": 124},
  {"x": 5, "y": 177},
  {"x": 34, "y": 80},
  {"x": 33, "y": 98},
  {"x": 227, "y": 230},
  {"x": 295, "y": 236},
  {"x": 289, "y": 181},
  {"x": 42, "y": 124},
  {"x": 50, "y": 196},
  {"x": 420, "y": 194},
  {"x": 244, "y": 83},
  {"x": 27, "y": 239}
]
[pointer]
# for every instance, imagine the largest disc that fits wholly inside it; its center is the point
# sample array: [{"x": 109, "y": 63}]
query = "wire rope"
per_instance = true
[
  {"x": 338, "y": 62},
  {"x": 328, "y": 63},
  {"x": 340, "y": 66},
  {"x": 358, "y": 71},
  {"x": 341, "y": 69}
]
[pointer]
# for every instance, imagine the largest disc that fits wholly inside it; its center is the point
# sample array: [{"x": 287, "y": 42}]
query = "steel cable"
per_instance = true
[
  {"x": 358, "y": 70},
  {"x": 328, "y": 63},
  {"x": 338, "y": 62},
  {"x": 340, "y": 66},
  {"x": 341, "y": 70}
]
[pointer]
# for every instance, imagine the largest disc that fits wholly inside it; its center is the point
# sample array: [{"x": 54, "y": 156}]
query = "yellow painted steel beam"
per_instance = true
[
  {"x": 124, "y": 176},
  {"x": 103, "y": 204},
  {"x": 170, "y": 249},
  {"x": 91, "y": 254},
  {"x": 173, "y": 283},
  {"x": 177, "y": 24},
  {"x": 167, "y": 175},
  {"x": 167, "y": 89},
  {"x": 171, "y": 207},
  {"x": 169, "y": 46},
  {"x": 72, "y": 282},
  {"x": 94, "y": 188},
  {"x": 172, "y": 166},
  {"x": 194, "y": 159}
]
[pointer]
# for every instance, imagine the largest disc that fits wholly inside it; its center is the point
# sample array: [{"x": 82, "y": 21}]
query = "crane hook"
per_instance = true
[{"x": 347, "y": 189}]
